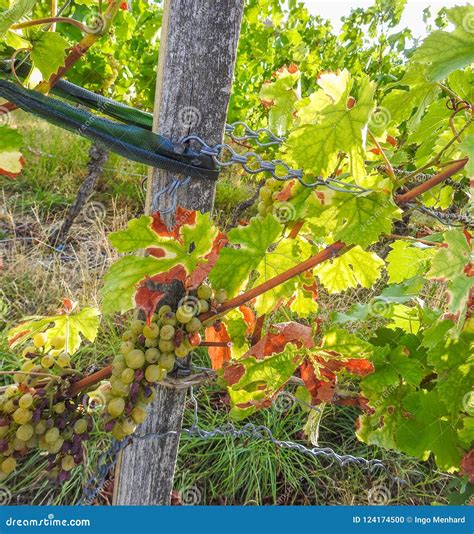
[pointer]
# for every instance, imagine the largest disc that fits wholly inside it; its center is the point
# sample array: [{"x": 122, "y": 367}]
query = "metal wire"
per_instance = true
[
  {"x": 108, "y": 459},
  {"x": 171, "y": 190},
  {"x": 450, "y": 219}
]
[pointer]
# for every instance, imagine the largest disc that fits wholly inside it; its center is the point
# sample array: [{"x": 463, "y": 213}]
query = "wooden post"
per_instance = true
[{"x": 196, "y": 65}]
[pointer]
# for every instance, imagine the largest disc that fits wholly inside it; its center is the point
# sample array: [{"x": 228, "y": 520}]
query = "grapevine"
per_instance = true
[{"x": 379, "y": 161}]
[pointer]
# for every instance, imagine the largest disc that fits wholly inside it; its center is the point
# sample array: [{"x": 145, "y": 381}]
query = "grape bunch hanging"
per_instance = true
[
  {"x": 38, "y": 412},
  {"x": 148, "y": 353}
]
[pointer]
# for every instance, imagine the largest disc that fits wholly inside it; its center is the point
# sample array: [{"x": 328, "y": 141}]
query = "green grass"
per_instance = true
[{"x": 229, "y": 470}]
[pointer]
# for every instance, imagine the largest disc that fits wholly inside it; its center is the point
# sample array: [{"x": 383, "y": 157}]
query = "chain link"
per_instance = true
[
  {"x": 262, "y": 136},
  {"x": 224, "y": 155}
]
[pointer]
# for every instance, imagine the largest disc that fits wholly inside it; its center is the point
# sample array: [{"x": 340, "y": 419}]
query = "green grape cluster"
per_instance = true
[
  {"x": 35, "y": 419},
  {"x": 148, "y": 353},
  {"x": 33, "y": 415},
  {"x": 39, "y": 360},
  {"x": 267, "y": 196}
]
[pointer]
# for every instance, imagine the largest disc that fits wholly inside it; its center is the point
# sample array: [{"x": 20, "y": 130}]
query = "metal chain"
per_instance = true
[
  {"x": 262, "y": 136},
  {"x": 224, "y": 155},
  {"x": 108, "y": 459}
]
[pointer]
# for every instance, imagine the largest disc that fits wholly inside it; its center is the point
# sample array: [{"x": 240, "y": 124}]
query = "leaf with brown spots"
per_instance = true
[
  {"x": 279, "y": 336},
  {"x": 218, "y": 355}
]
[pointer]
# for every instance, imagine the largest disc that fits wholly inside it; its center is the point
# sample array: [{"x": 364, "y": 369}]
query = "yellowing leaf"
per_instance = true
[
  {"x": 337, "y": 127},
  {"x": 73, "y": 327},
  {"x": 359, "y": 219},
  {"x": 11, "y": 163},
  {"x": 353, "y": 268},
  {"x": 405, "y": 261},
  {"x": 249, "y": 246}
]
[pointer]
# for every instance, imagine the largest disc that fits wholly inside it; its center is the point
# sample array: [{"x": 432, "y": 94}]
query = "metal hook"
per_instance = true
[{"x": 172, "y": 191}]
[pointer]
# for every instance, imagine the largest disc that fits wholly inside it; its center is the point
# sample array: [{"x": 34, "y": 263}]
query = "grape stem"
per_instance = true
[
  {"x": 432, "y": 182},
  {"x": 50, "y": 20}
]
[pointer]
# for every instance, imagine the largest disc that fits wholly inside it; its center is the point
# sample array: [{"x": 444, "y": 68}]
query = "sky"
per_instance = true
[{"x": 412, "y": 17}]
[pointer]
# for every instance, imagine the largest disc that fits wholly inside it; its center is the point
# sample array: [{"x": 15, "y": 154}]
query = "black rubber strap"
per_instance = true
[{"x": 129, "y": 141}]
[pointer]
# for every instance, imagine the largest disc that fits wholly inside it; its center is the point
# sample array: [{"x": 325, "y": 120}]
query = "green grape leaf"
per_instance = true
[
  {"x": 466, "y": 433},
  {"x": 448, "y": 265},
  {"x": 49, "y": 52},
  {"x": 406, "y": 260},
  {"x": 467, "y": 148},
  {"x": 178, "y": 253},
  {"x": 453, "y": 361},
  {"x": 418, "y": 93},
  {"x": 333, "y": 128},
  {"x": 280, "y": 95},
  {"x": 404, "y": 317},
  {"x": 380, "y": 428},
  {"x": 353, "y": 268},
  {"x": 286, "y": 255},
  {"x": 391, "y": 368},
  {"x": 72, "y": 326},
  {"x": 450, "y": 261},
  {"x": 254, "y": 382},
  {"x": 250, "y": 245},
  {"x": 16, "y": 11},
  {"x": 346, "y": 344},
  {"x": 427, "y": 429},
  {"x": 436, "y": 333},
  {"x": 443, "y": 52},
  {"x": 10, "y": 139},
  {"x": 462, "y": 83},
  {"x": 360, "y": 219}
]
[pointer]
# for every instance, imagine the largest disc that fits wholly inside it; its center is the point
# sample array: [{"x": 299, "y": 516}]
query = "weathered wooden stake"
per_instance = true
[{"x": 196, "y": 64}]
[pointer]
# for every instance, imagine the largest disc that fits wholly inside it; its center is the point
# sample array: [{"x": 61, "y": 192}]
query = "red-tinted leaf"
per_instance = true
[
  {"x": 183, "y": 216},
  {"x": 467, "y": 465},
  {"x": 69, "y": 305},
  {"x": 298, "y": 334},
  {"x": 156, "y": 252},
  {"x": 391, "y": 140},
  {"x": 12, "y": 164},
  {"x": 148, "y": 295},
  {"x": 359, "y": 366},
  {"x": 249, "y": 318},
  {"x": 292, "y": 69},
  {"x": 218, "y": 355},
  {"x": 233, "y": 373},
  {"x": 321, "y": 391},
  {"x": 19, "y": 335},
  {"x": 203, "y": 269},
  {"x": 311, "y": 285},
  {"x": 322, "y": 388},
  {"x": 286, "y": 192}
]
